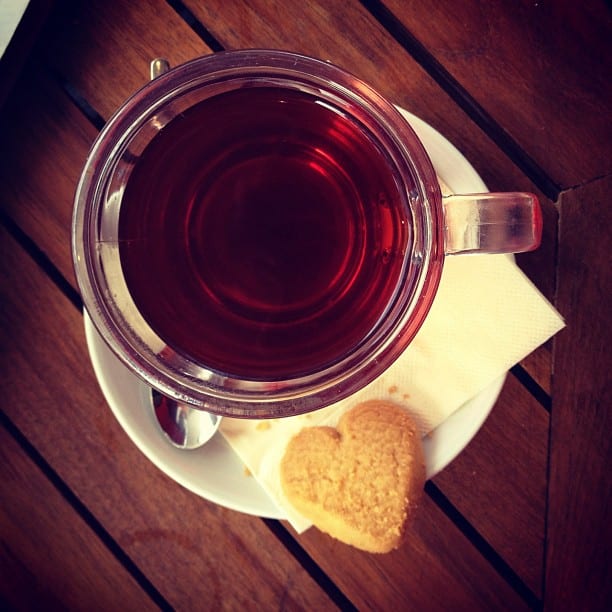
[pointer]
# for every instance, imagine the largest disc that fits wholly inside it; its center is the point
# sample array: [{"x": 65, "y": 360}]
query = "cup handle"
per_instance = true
[{"x": 492, "y": 223}]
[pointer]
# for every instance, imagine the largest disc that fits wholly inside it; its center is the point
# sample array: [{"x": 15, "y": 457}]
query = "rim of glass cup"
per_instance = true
[{"x": 96, "y": 254}]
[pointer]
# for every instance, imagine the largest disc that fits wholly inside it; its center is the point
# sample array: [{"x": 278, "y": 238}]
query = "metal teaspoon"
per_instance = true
[{"x": 184, "y": 427}]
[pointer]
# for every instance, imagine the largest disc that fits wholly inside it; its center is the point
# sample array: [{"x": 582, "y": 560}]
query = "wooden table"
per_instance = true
[{"x": 518, "y": 520}]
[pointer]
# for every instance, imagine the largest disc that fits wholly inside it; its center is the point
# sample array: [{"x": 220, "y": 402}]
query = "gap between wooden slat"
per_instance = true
[
  {"x": 191, "y": 20},
  {"x": 534, "y": 388},
  {"x": 41, "y": 259},
  {"x": 92, "y": 115},
  {"x": 461, "y": 96},
  {"x": 483, "y": 547},
  {"x": 84, "y": 512}
]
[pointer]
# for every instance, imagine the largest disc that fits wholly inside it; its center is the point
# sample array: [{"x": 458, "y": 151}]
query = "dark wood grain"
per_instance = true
[
  {"x": 50, "y": 393},
  {"x": 455, "y": 577},
  {"x": 21, "y": 43},
  {"x": 104, "y": 49},
  {"x": 579, "y": 534},
  {"x": 46, "y": 140},
  {"x": 499, "y": 482},
  {"x": 543, "y": 73},
  {"x": 48, "y": 552},
  {"x": 538, "y": 365}
]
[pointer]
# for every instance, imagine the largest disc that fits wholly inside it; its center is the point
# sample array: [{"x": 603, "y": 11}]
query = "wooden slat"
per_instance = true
[
  {"x": 45, "y": 143},
  {"x": 538, "y": 365},
  {"x": 505, "y": 500},
  {"x": 437, "y": 569},
  {"x": 104, "y": 48},
  {"x": 541, "y": 70},
  {"x": 579, "y": 535},
  {"x": 187, "y": 547},
  {"x": 48, "y": 553}
]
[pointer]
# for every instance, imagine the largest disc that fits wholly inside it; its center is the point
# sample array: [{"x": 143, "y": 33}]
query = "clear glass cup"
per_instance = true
[{"x": 431, "y": 226}]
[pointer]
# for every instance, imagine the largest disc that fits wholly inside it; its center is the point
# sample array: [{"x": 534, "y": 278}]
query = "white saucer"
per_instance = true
[{"x": 214, "y": 472}]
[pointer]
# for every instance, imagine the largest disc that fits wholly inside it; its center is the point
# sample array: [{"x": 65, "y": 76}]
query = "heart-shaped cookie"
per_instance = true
[{"x": 360, "y": 481}]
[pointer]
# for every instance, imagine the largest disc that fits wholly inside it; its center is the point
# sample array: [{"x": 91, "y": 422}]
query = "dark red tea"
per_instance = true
[{"x": 262, "y": 232}]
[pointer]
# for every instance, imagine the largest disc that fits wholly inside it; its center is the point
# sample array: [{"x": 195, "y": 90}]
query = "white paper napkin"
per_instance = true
[{"x": 486, "y": 317}]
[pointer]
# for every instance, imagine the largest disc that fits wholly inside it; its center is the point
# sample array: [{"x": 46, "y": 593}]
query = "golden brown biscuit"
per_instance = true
[{"x": 361, "y": 481}]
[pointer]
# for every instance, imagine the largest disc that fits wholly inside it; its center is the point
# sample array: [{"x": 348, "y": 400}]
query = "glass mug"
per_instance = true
[{"x": 260, "y": 234}]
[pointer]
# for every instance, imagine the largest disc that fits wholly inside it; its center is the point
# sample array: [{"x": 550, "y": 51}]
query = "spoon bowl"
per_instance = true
[{"x": 184, "y": 426}]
